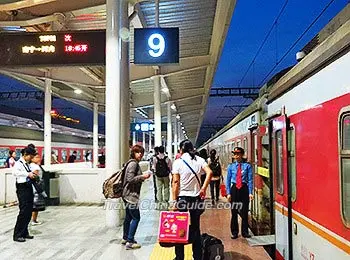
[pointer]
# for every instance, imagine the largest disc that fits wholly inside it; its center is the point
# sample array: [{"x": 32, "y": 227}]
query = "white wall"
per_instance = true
[{"x": 79, "y": 183}]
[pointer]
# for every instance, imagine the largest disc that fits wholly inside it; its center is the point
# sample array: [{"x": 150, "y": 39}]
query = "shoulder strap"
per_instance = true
[
  {"x": 26, "y": 166},
  {"x": 195, "y": 174}
]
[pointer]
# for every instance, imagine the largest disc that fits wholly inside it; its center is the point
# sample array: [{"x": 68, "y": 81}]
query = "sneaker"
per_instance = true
[
  {"x": 130, "y": 245},
  {"x": 35, "y": 223},
  {"x": 123, "y": 242}
]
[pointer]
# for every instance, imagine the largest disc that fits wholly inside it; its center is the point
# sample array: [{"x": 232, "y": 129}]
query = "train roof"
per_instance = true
[{"x": 332, "y": 42}]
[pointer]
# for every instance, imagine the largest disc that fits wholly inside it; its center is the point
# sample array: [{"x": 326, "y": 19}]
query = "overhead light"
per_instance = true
[
  {"x": 180, "y": 123},
  {"x": 178, "y": 116},
  {"x": 173, "y": 107},
  {"x": 53, "y": 129},
  {"x": 184, "y": 131},
  {"x": 73, "y": 133},
  {"x": 29, "y": 125},
  {"x": 89, "y": 135},
  {"x": 78, "y": 91},
  {"x": 182, "y": 127}
]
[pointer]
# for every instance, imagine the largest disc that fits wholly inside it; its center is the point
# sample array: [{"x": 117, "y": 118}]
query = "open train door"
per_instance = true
[{"x": 281, "y": 193}]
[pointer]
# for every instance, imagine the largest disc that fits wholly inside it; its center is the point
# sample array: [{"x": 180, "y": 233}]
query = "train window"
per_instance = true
[
  {"x": 245, "y": 145},
  {"x": 292, "y": 161},
  {"x": 345, "y": 167},
  {"x": 279, "y": 161},
  {"x": 4, "y": 153},
  {"x": 78, "y": 155},
  {"x": 64, "y": 155},
  {"x": 18, "y": 153}
]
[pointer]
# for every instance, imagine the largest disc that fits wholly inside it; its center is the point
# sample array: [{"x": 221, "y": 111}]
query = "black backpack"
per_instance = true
[
  {"x": 212, "y": 248},
  {"x": 215, "y": 167},
  {"x": 162, "y": 169}
]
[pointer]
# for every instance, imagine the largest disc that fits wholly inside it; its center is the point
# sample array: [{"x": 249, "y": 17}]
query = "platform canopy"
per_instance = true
[{"x": 203, "y": 26}]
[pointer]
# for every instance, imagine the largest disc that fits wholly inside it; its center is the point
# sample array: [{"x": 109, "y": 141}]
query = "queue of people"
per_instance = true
[{"x": 188, "y": 187}]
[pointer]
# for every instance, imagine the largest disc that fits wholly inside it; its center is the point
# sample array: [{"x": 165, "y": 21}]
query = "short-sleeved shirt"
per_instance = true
[{"x": 189, "y": 185}]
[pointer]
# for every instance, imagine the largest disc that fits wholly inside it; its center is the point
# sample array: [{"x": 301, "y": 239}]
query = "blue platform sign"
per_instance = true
[
  {"x": 145, "y": 127},
  {"x": 156, "y": 46}
]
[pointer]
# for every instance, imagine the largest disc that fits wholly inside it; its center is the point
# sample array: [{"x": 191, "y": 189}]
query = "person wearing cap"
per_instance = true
[{"x": 239, "y": 187}]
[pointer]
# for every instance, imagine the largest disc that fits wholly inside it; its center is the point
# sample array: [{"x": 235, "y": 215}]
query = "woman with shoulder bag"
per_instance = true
[{"x": 188, "y": 193}]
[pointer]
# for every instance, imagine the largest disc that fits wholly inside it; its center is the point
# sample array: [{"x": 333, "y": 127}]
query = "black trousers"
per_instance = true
[
  {"x": 215, "y": 186},
  {"x": 194, "y": 230},
  {"x": 25, "y": 201},
  {"x": 239, "y": 196}
]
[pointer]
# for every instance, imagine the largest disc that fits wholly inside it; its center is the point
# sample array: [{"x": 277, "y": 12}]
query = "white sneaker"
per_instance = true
[
  {"x": 129, "y": 246},
  {"x": 36, "y": 223}
]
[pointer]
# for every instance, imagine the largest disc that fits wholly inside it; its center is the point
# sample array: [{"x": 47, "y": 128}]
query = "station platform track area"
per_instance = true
[{"x": 78, "y": 232}]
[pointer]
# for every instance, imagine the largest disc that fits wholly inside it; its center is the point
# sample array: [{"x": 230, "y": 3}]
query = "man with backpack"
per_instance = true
[
  {"x": 162, "y": 169},
  {"x": 215, "y": 166}
]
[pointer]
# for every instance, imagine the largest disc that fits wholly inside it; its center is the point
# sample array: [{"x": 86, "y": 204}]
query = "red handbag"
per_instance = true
[{"x": 223, "y": 188}]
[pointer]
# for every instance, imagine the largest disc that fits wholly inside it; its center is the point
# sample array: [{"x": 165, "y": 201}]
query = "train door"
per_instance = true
[{"x": 281, "y": 191}]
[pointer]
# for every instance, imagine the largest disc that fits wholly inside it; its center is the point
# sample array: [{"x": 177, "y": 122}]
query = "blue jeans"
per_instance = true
[{"x": 132, "y": 219}]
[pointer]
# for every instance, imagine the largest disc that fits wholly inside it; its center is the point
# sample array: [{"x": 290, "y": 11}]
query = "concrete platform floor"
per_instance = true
[{"x": 79, "y": 232}]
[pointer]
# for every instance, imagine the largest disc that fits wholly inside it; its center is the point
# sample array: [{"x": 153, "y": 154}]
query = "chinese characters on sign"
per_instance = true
[
  {"x": 173, "y": 227},
  {"x": 43, "y": 48}
]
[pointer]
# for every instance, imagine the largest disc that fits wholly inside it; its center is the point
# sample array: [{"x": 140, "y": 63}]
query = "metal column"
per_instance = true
[
  {"x": 144, "y": 140},
  {"x": 47, "y": 121},
  {"x": 175, "y": 137},
  {"x": 157, "y": 112},
  {"x": 169, "y": 132},
  {"x": 113, "y": 98},
  {"x": 150, "y": 142},
  {"x": 133, "y": 138},
  {"x": 124, "y": 84},
  {"x": 95, "y": 137}
]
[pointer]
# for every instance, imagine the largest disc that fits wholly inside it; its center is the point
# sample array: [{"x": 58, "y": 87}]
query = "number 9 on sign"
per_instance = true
[{"x": 157, "y": 49}]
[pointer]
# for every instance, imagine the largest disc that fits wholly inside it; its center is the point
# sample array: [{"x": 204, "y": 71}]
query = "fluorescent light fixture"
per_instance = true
[
  {"x": 173, "y": 107},
  {"x": 29, "y": 125},
  {"x": 78, "y": 91},
  {"x": 178, "y": 116},
  {"x": 182, "y": 127},
  {"x": 73, "y": 133}
]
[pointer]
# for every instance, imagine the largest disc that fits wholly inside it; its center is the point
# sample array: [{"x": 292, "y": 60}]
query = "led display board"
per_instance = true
[
  {"x": 156, "y": 46},
  {"x": 53, "y": 48}
]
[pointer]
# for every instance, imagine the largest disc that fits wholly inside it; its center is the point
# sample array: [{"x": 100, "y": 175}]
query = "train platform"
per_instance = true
[{"x": 78, "y": 231}]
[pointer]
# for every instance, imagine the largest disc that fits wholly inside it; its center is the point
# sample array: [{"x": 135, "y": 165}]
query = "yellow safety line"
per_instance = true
[{"x": 168, "y": 253}]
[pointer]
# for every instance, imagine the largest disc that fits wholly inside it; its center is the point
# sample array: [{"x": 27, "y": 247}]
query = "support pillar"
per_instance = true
[
  {"x": 95, "y": 137},
  {"x": 124, "y": 85},
  {"x": 150, "y": 142},
  {"x": 144, "y": 140},
  {"x": 113, "y": 98},
  {"x": 115, "y": 10},
  {"x": 133, "y": 138},
  {"x": 169, "y": 132},
  {"x": 157, "y": 112},
  {"x": 175, "y": 137},
  {"x": 47, "y": 121}
]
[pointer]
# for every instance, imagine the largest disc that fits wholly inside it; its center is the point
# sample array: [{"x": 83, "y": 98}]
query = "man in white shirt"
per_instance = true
[{"x": 25, "y": 194}]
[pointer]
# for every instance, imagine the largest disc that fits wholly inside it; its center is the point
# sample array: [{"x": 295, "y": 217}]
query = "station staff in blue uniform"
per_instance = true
[
  {"x": 239, "y": 186},
  {"x": 25, "y": 194}
]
